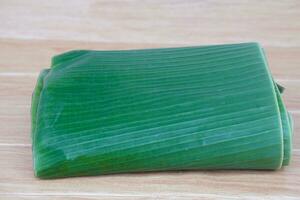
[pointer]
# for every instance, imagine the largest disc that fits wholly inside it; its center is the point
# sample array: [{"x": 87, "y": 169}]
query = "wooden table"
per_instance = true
[{"x": 32, "y": 31}]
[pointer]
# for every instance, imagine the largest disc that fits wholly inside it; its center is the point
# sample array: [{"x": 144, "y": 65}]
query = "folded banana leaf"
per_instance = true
[{"x": 189, "y": 108}]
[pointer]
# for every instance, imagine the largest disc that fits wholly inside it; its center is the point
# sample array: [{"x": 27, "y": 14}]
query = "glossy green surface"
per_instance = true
[{"x": 210, "y": 107}]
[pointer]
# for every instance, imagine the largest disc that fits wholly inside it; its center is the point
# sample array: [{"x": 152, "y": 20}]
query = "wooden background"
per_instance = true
[{"x": 32, "y": 31}]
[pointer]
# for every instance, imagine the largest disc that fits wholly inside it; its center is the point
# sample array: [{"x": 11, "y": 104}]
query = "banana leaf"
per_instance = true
[{"x": 188, "y": 108}]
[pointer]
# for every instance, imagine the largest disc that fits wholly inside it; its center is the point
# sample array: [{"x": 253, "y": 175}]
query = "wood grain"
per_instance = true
[
  {"x": 18, "y": 170},
  {"x": 134, "y": 21},
  {"x": 75, "y": 196},
  {"x": 32, "y": 32}
]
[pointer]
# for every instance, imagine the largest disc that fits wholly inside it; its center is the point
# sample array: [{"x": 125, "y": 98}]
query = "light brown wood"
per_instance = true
[
  {"x": 80, "y": 197},
  {"x": 197, "y": 184},
  {"x": 31, "y": 32},
  {"x": 273, "y": 23}
]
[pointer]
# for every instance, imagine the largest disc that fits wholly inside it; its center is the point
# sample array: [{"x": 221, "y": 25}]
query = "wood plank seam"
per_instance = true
[{"x": 104, "y": 194}]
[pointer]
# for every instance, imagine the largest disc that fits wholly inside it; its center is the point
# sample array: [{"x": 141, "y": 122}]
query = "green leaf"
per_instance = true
[{"x": 209, "y": 107}]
